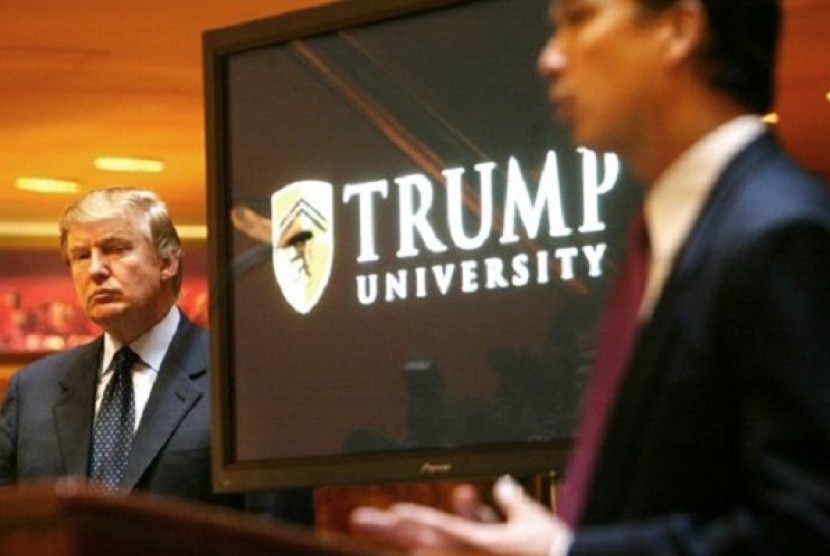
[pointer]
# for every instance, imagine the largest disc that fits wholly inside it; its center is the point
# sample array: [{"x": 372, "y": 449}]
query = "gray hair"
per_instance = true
[{"x": 106, "y": 204}]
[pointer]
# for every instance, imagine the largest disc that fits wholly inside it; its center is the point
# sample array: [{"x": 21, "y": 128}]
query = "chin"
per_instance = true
[
  {"x": 593, "y": 141},
  {"x": 584, "y": 139},
  {"x": 579, "y": 133},
  {"x": 102, "y": 315}
]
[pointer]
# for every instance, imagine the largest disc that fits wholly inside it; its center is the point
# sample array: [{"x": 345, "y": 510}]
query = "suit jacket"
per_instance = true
[
  {"x": 719, "y": 442},
  {"x": 47, "y": 417}
]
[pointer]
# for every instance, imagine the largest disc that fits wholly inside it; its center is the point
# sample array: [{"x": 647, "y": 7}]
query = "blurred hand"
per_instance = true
[{"x": 528, "y": 529}]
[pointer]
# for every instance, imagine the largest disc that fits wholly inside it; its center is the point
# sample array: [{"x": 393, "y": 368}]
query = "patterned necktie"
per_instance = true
[
  {"x": 618, "y": 334},
  {"x": 114, "y": 424}
]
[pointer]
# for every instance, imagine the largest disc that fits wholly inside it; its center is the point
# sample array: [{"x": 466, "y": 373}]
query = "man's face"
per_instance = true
[
  {"x": 119, "y": 279},
  {"x": 604, "y": 67}
]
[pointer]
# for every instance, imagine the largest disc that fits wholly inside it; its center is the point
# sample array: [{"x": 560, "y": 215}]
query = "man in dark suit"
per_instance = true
[
  {"x": 124, "y": 255},
  {"x": 716, "y": 439}
]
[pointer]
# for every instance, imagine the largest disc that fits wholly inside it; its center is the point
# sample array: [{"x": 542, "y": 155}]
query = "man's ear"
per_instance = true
[
  {"x": 169, "y": 267},
  {"x": 686, "y": 25}
]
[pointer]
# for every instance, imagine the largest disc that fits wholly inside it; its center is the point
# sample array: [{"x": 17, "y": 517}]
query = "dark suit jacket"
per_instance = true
[
  {"x": 46, "y": 421},
  {"x": 720, "y": 439}
]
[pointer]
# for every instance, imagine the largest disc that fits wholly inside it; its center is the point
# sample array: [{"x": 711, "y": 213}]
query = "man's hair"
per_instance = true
[
  {"x": 739, "y": 52},
  {"x": 118, "y": 202}
]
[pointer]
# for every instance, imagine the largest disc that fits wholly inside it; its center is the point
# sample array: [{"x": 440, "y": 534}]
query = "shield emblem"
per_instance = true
[{"x": 302, "y": 220}]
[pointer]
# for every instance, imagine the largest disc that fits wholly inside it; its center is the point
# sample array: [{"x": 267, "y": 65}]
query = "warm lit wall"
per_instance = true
[{"x": 6, "y": 370}]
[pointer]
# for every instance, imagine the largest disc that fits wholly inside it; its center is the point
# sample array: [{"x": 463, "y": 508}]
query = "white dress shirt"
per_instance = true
[{"x": 151, "y": 347}]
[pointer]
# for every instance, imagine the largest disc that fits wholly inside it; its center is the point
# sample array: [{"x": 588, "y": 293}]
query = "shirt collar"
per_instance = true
[
  {"x": 675, "y": 199},
  {"x": 151, "y": 346}
]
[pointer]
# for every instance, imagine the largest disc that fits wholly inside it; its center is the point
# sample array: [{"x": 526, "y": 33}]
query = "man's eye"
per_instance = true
[
  {"x": 574, "y": 16},
  {"x": 79, "y": 256},
  {"x": 116, "y": 249}
]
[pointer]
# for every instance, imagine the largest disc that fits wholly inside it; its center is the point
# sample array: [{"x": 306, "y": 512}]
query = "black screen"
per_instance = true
[{"x": 420, "y": 297}]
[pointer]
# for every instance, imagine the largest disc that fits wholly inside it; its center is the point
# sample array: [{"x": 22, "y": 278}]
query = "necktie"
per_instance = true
[
  {"x": 114, "y": 424},
  {"x": 618, "y": 333}
]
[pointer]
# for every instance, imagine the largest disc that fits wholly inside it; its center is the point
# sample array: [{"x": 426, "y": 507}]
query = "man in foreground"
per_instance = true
[{"x": 713, "y": 434}]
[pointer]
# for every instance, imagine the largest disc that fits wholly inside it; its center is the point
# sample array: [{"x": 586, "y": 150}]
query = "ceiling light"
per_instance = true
[
  {"x": 126, "y": 164},
  {"x": 771, "y": 118},
  {"x": 27, "y": 230},
  {"x": 47, "y": 185}
]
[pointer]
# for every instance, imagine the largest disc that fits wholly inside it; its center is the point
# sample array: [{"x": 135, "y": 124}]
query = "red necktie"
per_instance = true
[{"x": 618, "y": 333}]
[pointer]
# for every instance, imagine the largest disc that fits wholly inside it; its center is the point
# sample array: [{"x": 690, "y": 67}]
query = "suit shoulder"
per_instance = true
[
  {"x": 56, "y": 365},
  {"x": 771, "y": 191},
  {"x": 192, "y": 335}
]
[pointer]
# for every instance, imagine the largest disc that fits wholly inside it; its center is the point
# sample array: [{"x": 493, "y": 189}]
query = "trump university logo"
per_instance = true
[
  {"x": 302, "y": 216},
  {"x": 437, "y": 250}
]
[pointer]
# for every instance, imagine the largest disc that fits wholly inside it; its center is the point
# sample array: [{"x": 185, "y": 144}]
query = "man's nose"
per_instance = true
[
  {"x": 98, "y": 264},
  {"x": 551, "y": 60}
]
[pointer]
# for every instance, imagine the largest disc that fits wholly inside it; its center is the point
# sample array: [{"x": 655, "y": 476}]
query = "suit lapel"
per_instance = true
[
  {"x": 173, "y": 395},
  {"x": 73, "y": 412},
  {"x": 714, "y": 227}
]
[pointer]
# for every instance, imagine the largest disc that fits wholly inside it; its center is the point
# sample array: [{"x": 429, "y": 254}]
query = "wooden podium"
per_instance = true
[{"x": 67, "y": 518}]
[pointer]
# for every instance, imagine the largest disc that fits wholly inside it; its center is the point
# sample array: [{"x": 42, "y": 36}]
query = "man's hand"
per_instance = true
[{"x": 529, "y": 529}]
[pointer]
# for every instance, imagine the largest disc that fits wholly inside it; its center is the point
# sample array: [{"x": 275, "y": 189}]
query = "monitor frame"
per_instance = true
[{"x": 229, "y": 474}]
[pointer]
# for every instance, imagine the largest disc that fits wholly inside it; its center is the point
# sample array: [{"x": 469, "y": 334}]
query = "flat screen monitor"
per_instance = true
[{"x": 407, "y": 254}]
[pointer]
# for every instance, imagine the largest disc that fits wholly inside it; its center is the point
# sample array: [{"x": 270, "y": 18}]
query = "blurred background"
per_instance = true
[
  {"x": 87, "y": 79},
  {"x": 95, "y": 93}
]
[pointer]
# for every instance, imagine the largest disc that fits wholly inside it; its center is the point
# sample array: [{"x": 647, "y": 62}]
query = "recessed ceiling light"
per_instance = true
[
  {"x": 127, "y": 164},
  {"x": 771, "y": 118},
  {"x": 47, "y": 185}
]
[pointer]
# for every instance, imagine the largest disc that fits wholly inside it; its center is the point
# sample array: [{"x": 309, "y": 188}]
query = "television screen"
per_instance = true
[{"x": 407, "y": 253}]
